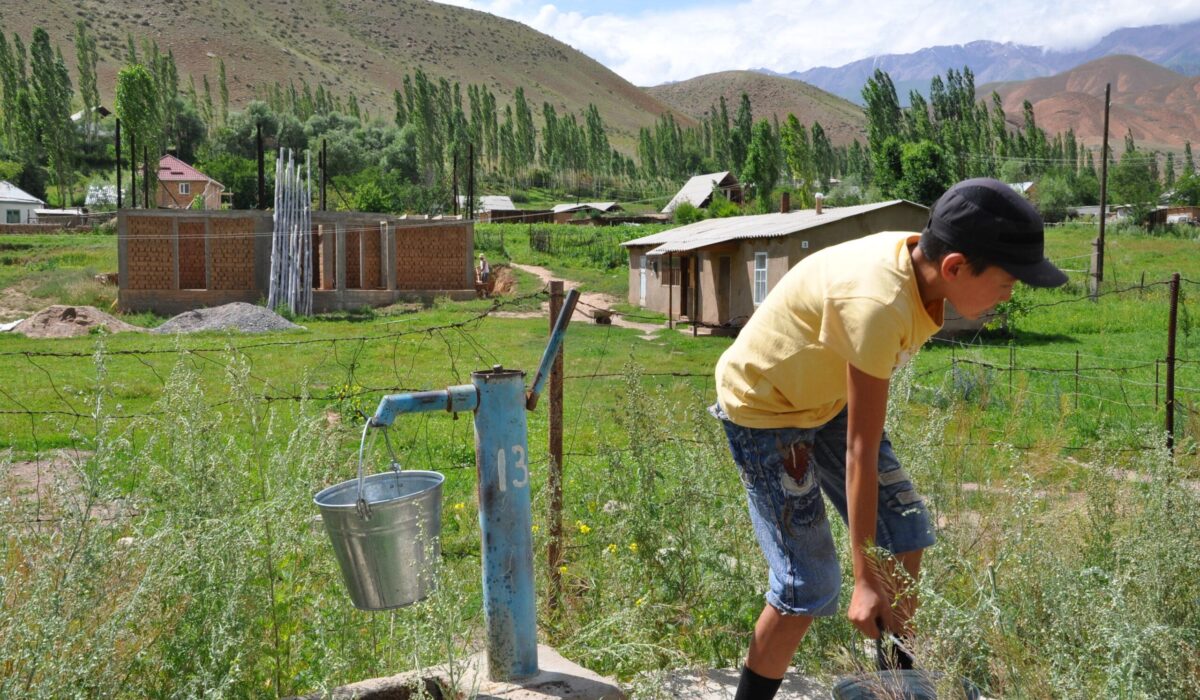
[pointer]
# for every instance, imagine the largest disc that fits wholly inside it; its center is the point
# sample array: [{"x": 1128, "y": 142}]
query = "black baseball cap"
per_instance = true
[{"x": 986, "y": 219}]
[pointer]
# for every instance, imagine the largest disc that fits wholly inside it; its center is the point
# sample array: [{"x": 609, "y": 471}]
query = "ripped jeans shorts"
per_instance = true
[{"x": 785, "y": 471}]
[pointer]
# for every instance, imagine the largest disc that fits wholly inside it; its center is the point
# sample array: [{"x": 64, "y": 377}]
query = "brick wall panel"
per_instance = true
[
  {"x": 432, "y": 257},
  {"x": 372, "y": 251},
  {"x": 232, "y": 251},
  {"x": 151, "y": 258},
  {"x": 191, "y": 255},
  {"x": 353, "y": 281}
]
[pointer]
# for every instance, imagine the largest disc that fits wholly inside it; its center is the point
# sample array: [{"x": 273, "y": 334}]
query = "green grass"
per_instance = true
[{"x": 226, "y": 587}]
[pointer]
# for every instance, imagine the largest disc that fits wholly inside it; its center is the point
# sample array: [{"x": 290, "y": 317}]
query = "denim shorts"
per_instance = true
[{"x": 785, "y": 471}]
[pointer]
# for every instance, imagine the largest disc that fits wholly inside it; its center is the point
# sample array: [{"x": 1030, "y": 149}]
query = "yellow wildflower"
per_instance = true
[
  {"x": 583, "y": 527},
  {"x": 562, "y": 569},
  {"x": 535, "y": 529},
  {"x": 611, "y": 549},
  {"x": 460, "y": 505},
  {"x": 633, "y": 547}
]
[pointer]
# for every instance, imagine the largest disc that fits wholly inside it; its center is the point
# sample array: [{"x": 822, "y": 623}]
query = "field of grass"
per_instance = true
[{"x": 177, "y": 549}]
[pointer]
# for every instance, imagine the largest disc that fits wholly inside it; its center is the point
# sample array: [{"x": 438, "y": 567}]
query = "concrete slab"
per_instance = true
[{"x": 557, "y": 679}]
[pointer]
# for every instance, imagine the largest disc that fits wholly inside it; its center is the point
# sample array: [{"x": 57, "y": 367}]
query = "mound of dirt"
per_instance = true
[
  {"x": 60, "y": 321},
  {"x": 238, "y": 316},
  {"x": 506, "y": 282}
]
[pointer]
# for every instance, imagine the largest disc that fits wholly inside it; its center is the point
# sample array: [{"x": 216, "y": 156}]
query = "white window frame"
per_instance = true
[
  {"x": 760, "y": 278},
  {"x": 185, "y": 188},
  {"x": 8, "y": 214}
]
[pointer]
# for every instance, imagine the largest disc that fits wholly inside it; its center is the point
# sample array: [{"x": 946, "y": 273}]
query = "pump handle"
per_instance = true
[{"x": 556, "y": 336}]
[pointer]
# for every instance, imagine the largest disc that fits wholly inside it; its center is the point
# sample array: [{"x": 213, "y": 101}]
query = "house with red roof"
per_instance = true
[{"x": 180, "y": 185}]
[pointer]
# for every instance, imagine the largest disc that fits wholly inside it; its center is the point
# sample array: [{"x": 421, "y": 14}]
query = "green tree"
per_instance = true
[
  {"x": 1187, "y": 189},
  {"x": 136, "y": 105},
  {"x": 888, "y": 165},
  {"x": 223, "y": 87},
  {"x": 50, "y": 83},
  {"x": 762, "y": 163},
  {"x": 10, "y": 84},
  {"x": 883, "y": 122},
  {"x": 1054, "y": 196},
  {"x": 525, "y": 134},
  {"x": 86, "y": 60},
  {"x": 739, "y": 138},
  {"x": 797, "y": 157},
  {"x": 1132, "y": 182},
  {"x": 926, "y": 173}
]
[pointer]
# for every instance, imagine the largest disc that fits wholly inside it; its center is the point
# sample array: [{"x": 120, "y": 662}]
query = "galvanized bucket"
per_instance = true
[{"x": 385, "y": 529}]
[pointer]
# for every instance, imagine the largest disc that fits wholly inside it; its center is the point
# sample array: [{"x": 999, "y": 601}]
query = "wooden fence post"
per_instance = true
[{"x": 554, "y": 480}]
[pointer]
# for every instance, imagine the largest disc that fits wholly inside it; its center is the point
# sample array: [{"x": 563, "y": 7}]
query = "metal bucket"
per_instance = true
[{"x": 385, "y": 531}]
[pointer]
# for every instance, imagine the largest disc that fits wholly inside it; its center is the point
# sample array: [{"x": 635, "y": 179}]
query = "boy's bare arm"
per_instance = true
[{"x": 867, "y": 407}]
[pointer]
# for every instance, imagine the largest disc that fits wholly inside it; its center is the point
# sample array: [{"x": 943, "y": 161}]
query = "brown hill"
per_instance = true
[
  {"x": 843, "y": 121},
  {"x": 362, "y": 47},
  {"x": 1161, "y": 107}
]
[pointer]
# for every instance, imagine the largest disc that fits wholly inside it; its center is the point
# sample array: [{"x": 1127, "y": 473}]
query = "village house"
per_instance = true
[
  {"x": 19, "y": 206},
  {"x": 180, "y": 185},
  {"x": 699, "y": 190},
  {"x": 499, "y": 209},
  {"x": 717, "y": 271},
  {"x": 564, "y": 213}
]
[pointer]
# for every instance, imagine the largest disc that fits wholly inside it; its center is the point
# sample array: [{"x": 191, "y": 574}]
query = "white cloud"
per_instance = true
[{"x": 653, "y": 46}]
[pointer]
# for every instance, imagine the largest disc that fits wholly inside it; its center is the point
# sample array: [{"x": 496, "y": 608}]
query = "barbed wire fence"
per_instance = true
[{"x": 1135, "y": 387}]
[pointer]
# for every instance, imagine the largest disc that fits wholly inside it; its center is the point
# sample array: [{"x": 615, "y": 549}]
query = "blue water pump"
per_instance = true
[{"x": 498, "y": 399}]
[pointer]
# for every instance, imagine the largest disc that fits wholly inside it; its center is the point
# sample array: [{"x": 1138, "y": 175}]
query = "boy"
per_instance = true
[{"x": 802, "y": 394}]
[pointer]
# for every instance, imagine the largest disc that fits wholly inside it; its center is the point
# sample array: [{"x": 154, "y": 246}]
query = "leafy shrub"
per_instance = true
[{"x": 686, "y": 213}]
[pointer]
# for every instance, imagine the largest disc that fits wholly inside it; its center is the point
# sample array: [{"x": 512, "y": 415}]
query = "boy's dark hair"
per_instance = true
[
  {"x": 990, "y": 224},
  {"x": 935, "y": 249}
]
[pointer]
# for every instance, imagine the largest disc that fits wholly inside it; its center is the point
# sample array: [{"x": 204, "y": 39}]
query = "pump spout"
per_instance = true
[
  {"x": 556, "y": 337},
  {"x": 454, "y": 399}
]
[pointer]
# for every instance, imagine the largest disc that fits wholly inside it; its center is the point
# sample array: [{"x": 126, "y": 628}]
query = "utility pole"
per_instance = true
[{"x": 1098, "y": 252}]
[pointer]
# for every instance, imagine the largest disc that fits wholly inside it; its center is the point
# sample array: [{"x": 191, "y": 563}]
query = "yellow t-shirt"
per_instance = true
[{"x": 856, "y": 302}]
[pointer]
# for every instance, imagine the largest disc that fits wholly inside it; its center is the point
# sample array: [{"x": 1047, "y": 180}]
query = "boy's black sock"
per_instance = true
[{"x": 752, "y": 686}]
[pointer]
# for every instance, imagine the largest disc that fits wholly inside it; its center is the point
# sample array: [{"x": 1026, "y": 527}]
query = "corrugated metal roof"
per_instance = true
[
  {"x": 696, "y": 190},
  {"x": 11, "y": 193},
  {"x": 490, "y": 202},
  {"x": 580, "y": 206},
  {"x": 713, "y": 231}
]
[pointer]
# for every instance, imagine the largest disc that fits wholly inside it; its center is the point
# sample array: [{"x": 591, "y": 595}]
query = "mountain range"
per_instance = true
[
  {"x": 1160, "y": 107},
  {"x": 366, "y": 47},
  {"x": 360, "y": 47},
  {"x": 1176, "y": 47}
]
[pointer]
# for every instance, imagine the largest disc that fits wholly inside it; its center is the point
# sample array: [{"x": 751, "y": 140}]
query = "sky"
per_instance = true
[{"x": 653, "y": 42}]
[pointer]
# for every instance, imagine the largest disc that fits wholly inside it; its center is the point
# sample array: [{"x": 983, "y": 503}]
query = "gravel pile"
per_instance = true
[{"x": 238, "y": 316}]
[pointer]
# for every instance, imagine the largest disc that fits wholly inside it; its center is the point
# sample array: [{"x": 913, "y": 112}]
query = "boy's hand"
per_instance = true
[{"x": 869, "y": 607}]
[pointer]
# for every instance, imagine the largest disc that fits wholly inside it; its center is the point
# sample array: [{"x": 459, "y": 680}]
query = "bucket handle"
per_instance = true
[{"x": 361, "y": 506}]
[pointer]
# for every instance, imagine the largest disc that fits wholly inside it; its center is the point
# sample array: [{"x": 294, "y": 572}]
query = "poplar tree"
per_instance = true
[
  {"x": 525, "y": 134},
  {"x": 50, "y": 83},
  {"x": 739, "y": 140},
  {"x": 223, "y": 87},
  {"x": 136, "y": 104},
  {"x": 86, "y": 59},
  {"x": 762, "y": 163},
  {"x": 9, "y": 85}
]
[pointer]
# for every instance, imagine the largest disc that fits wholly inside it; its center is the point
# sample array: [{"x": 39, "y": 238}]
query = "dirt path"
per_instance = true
[{"x": 588, "y": 302}]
